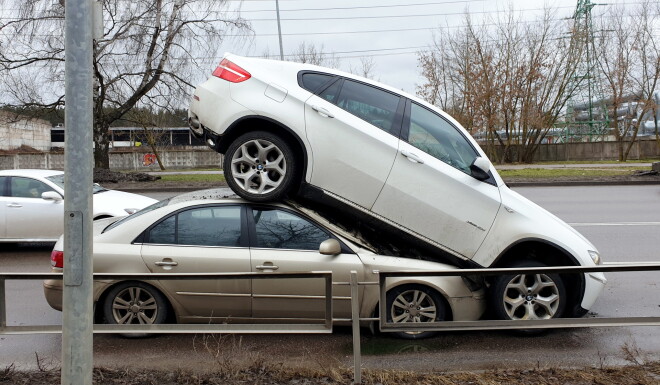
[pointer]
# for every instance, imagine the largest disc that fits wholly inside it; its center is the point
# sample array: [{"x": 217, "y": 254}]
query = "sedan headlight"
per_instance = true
[{"x": 595, "y": 256}]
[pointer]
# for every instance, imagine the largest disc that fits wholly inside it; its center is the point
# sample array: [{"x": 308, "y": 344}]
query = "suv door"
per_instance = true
[
  {"x": 431, "y": 184},
  {"x": 202, "y": 239},
  {"x": 285, "y": 242},
  {"x": 353, "y": 130},
  {"x": 28, "y": 216}
]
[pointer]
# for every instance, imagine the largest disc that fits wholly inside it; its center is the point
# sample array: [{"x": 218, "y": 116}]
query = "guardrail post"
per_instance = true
[
  {"x": 3, "y": 305},
  {"x": 355, "y": 317}
]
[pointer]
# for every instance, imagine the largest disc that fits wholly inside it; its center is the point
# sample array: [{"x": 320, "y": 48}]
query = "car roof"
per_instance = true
[{"x": 30, "y": 172}]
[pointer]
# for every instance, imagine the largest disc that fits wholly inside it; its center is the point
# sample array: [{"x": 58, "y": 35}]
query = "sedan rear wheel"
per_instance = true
[
  {"x": 135, "y": 303},
  {"x": 260, "y": 166},
  {"x": 414, "y": 303}
]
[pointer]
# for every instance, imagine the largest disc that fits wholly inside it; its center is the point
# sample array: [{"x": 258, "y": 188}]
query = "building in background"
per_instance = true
[{"x": 17, "y": 131}]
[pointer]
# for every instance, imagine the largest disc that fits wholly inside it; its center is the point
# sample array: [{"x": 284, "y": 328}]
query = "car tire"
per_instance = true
[
  {"x": 260, "y": 166},
  {"x": 135, "y": 303},
  {"x": 528, "y": 296},
  {"x": 414, "y": 303}
]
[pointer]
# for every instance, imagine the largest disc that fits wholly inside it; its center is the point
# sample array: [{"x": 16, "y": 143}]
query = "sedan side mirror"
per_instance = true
[
  {"x": 330, "y": 247},
  {"x": 480, "y": 168},
  {"x": 51, "y": 196}
]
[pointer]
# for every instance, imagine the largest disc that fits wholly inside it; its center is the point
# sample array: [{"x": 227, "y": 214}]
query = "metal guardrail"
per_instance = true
[{"x": 326, "y": 327}]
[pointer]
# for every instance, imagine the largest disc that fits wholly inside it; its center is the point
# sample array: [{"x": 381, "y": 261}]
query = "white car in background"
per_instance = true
[
  {"x": 359, "y": 146},
  {"x": 32, "y": 205}
]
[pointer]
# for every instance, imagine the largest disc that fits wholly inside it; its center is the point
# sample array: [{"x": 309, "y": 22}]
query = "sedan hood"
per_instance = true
[{"x": 115, "y": 203}]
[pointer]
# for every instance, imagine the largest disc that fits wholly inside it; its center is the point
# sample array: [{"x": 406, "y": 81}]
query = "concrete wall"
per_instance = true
[
  {"x": 129, "y": 160},
  {"x": 205, "y": 158},
  {"x": 17, "y": 131}
]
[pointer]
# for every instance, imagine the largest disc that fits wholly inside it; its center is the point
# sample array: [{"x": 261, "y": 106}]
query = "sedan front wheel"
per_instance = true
[{"x": 414, "y": 303}]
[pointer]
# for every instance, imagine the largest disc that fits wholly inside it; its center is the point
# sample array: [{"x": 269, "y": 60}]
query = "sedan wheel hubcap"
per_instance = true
[
  {"x": 413, "y": 306},
  {"x": 531, "y": 296},
  {"x": 134, "y": 305},
  {"x": 258, "y": 166}
]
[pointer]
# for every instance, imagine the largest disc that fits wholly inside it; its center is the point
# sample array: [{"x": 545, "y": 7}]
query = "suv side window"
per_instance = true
[
  {"x": 27, "y": 187},
  {"x": 279, "y": 229},
  {"x": 370, "y": 104},
  {"x": 202, "y": 226},
  {"x": 437, "y": 137},
  {"x": 313, "y": 82}
]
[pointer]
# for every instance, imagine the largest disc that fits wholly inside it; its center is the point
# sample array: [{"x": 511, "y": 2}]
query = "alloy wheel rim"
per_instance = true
[
  {"x": 134, "y": 305},
  {"x": 531, "y": 296},
  {"x": 258, "y": 166},
  {"x": 413, "y": 306}
]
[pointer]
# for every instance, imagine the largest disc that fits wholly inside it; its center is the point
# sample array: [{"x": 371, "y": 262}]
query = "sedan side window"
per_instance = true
[
  {"x": 27, "y": 187},
  {"x": 313, "y": 82},
  {"x": 278, "y": 229},
  {"x": 437, "y": 137},
  {"x": 370, "y": 104},
  {"x": 203, "y": 226}
]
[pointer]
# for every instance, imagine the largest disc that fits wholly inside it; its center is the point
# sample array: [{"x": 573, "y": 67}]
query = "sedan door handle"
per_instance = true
[
  {"x": 322, "y": 111},
  {"x": 166, "y": 263},
  {"x": 267, "y": 267},
  {"x": 16, "y": 205},
  {"x": 412, "y": 157}
]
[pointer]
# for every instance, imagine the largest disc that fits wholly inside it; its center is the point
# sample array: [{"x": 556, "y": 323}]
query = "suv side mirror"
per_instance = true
[
  {"x": 330, "y": 247},
  {"x": 51, "y": 196},
  {"x": 480, "y": 168}
]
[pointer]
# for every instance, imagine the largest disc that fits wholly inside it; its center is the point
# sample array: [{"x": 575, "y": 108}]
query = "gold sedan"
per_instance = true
[{"x": 233, "y": 235}]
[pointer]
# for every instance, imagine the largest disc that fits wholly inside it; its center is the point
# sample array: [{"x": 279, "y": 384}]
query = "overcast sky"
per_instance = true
[{"x": 400, "y": 28}]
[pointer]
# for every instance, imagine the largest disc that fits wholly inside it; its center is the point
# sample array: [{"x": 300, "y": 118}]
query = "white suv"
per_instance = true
[{"x": 297, "y": 129}]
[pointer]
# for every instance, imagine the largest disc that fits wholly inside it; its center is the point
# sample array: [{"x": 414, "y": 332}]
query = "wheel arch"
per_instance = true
[
  {"x": 261, "y": 123},
  {"x": 549, "y": 254}
]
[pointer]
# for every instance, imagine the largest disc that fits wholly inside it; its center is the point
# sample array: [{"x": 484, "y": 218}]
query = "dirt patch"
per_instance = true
[
  {"x": 639, "y": 176},
  {"x": 259, "y": 373},
  {"x": 116, "y": 177}
]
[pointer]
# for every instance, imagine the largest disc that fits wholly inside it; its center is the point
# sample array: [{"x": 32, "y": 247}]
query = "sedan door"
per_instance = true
[
  {"x": 285, "y": 242},
  {"x": 353, "y": 131},
  {"x": 430, "y": 189},
  {"x": 27, "y": 215},
  {"x": 202, "y": 239}
]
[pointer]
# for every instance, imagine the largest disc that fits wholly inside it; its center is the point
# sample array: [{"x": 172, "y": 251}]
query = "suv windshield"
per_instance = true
[{"x": 59, "y": 181}]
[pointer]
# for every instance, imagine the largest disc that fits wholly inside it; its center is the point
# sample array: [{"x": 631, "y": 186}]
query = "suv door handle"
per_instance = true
[
  {"x": 166, "y": 263},
  {"x": 16, "y": 205},
  {"x": 267, "y": 267},
  {"x": 412, "y": 157},
  {"x": 322, "y": 111}
]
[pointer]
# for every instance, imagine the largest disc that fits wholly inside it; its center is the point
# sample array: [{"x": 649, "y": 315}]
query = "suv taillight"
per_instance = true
[
  {"x": 57, "y": 259},
  {"x": 231, "y": 72}
]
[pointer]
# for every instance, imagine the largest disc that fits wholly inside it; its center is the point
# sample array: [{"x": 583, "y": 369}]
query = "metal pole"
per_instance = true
[
  {"x": 279, "y": 28},
  {"x": 3, "y": 305},
  {"x": 77, "y": 294},
  {"x": 355, "y": 317}
]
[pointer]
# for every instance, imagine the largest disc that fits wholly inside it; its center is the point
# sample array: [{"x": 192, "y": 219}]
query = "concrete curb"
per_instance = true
[{"x": 585, "y": 183}]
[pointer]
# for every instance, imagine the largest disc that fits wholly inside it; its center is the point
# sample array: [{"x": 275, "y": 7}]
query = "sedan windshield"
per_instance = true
[
  {"x": 145, "y": 210},
  {"x": 59, "y": 181}
]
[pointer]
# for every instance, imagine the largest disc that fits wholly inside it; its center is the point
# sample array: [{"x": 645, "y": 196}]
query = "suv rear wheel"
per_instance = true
[{"x": 260, "y": 166}]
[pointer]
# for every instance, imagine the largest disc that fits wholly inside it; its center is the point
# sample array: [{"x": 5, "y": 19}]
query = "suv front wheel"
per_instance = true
[{"x": 260, "y": 166}]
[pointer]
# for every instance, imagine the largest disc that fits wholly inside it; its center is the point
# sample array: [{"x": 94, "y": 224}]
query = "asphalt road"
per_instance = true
[{"x": 622, "y": 221}]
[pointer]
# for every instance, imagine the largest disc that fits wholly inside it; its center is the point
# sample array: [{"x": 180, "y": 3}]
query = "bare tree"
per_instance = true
[
  {"x": 309, "y": 53},
  {"x": 365, "y": 68},
  {"x": 505, "y": 81},
  {"x": 151, "y": 53}
]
